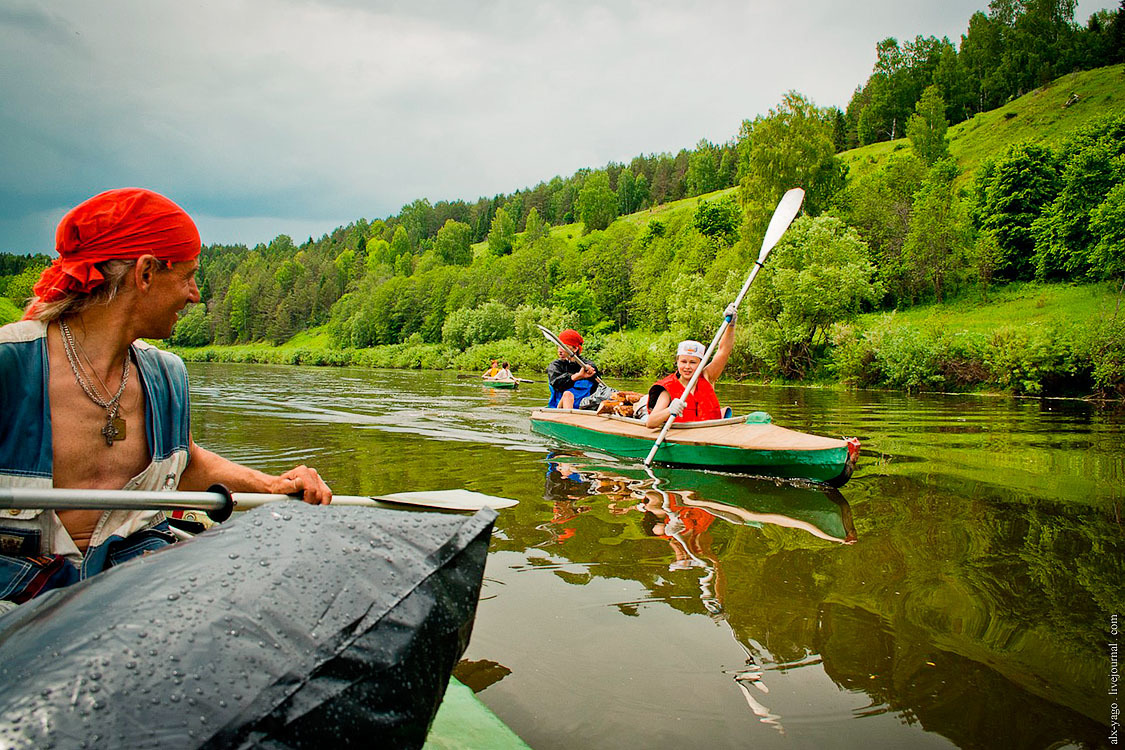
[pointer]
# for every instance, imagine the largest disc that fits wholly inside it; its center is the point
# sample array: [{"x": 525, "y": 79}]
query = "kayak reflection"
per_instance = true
[
  {"x": 573, "y": 480},
  {"x": 681, "y": 507}
]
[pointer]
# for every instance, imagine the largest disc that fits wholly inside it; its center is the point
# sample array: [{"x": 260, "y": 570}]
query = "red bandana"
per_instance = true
[
  {"x": 571, "y": 338},
  {"x": 125, "y": 223}
]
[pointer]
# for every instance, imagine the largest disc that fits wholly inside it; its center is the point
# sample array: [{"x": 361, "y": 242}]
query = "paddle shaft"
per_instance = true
[
  {"x": 215, "y": 503},
  {"x": 783, "y": 216}
]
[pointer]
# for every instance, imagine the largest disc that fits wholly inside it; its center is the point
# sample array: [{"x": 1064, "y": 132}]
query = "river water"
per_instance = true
[{"x": 961, "y": 591}]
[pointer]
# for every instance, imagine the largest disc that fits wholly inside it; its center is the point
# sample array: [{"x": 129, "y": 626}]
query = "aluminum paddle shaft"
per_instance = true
[
  {"x": 783, "y": 216},
  {"x": 218, "y": 503}
]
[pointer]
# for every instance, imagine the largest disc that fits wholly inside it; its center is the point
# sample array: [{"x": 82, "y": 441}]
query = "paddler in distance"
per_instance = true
[
  {"x": 85, "y": 403},
  {"x": 666, "y": 396}
]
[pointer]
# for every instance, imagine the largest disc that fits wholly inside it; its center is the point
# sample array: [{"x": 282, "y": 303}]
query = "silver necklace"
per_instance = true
[{"x": 114, "y": 426}]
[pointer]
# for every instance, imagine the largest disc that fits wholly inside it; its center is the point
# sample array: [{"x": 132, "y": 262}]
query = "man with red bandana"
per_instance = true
[
  {"x": 86, "y": 403},
  {"x": 571, "y": 381}
]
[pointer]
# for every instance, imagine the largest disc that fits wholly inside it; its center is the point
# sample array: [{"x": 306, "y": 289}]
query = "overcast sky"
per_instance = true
[{"x": 263, "y": 117}]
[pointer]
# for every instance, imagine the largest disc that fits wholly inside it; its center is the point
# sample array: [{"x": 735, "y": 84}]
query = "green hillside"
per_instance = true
[
  {"x": 1039, "y": 117},
  {"x": 1032, "y": 304}
]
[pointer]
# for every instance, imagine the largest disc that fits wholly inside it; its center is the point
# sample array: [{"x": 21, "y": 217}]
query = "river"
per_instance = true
[{"x": 959, "y": 592}]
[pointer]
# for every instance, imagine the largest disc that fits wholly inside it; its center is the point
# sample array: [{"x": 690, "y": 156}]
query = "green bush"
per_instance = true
[
  {"x": 8, "y": 311},
  {"x": 853, "y": 358},
  {"x": 521, "y": 357},
  {"x": 897, "y": 356},
  {"x": 1102, "y": 343},
  {"x": 638, "y": 353},
  {"x": 910, "y": 359},
  {"x": 491, "y": 321},
  {"x": 1031, "y": 360}
]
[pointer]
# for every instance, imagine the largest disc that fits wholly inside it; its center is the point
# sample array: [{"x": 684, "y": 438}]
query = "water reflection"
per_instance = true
[{"x": 680, "y": 507}]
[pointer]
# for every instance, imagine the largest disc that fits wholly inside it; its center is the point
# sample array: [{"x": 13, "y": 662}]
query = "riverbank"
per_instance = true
[{"x": 1024, "y": 339}]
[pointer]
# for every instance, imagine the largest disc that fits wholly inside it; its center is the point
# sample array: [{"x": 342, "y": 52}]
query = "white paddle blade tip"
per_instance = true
[
  {"x": 783, "y": 215},
  {"x": 450, "y": 500}
]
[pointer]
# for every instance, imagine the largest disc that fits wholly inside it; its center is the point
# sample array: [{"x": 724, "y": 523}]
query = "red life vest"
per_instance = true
[{"x": 701, "y": 404}]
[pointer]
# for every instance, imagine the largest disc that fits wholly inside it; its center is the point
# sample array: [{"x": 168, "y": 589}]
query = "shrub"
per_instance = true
[
  {"x": 1030, "y": 360},
  {"x": 853, "y": 357},
  {"x": 491, "y": 321},
  {"x": 1102, "y": 343},
  {"x": 638, "y": 353}
]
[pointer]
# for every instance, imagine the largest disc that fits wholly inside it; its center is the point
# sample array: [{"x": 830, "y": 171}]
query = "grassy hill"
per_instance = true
[
  {"x": 1043, "y": 116},
  {"x": 1031, "y": 304}
]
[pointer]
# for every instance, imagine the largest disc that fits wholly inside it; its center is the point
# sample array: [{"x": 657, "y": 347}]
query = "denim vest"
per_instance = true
[{"x": 36, "y": 552}]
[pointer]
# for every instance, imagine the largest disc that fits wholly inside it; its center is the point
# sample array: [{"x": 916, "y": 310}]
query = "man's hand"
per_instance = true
[
  {"x": 585, "y": 373},
  {"x": 676, "y": 408},
  {"x": 307, "y": 481},
  {"x": 731, "y": 313}
]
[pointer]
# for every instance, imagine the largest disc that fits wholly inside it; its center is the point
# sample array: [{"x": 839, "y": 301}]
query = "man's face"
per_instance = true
[{"x": 172, "y": 290}]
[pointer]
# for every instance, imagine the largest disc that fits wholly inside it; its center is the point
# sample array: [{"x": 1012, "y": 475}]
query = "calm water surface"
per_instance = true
[{"x": 958, "y": 592}]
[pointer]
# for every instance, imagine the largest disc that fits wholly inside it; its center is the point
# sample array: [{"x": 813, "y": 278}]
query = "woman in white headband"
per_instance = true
[{"x": 667, "y": 395}]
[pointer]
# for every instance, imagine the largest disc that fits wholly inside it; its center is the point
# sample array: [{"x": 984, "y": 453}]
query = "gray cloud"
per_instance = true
[{"x": 269, "y": 116}]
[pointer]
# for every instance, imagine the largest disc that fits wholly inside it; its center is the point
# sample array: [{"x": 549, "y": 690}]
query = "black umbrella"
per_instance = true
[{"x": 288, "y": 626}]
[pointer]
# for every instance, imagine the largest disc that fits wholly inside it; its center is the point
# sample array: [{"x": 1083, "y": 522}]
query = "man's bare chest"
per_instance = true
[{"x": 91, "y": 446}]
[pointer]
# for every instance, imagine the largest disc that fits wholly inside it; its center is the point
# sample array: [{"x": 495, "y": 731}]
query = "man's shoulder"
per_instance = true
[
  {"x": 22, "y": 331},
  {"x": 157, "y": 356}
]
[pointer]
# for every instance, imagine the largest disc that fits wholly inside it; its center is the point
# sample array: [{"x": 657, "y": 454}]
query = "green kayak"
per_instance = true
[
  {"x": 749, "y": 445},
  {"x": 501, "y": 383}
]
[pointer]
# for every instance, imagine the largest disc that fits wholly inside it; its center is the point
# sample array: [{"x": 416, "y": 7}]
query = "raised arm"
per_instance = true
[{"x": 718, "y": 361}]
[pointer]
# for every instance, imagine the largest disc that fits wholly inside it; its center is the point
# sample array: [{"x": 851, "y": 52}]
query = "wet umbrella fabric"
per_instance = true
[{"x": 288, "y": 626}]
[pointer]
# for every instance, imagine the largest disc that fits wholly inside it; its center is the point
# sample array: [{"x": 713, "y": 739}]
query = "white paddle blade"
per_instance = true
[
  {"x": 783, "y": 216},
  {"x": 450, "y": 500},
  {"x": 547, "y": 333}
]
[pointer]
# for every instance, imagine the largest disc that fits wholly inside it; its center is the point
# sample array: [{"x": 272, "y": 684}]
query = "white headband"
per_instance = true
[{"x": 691, "y": 349}]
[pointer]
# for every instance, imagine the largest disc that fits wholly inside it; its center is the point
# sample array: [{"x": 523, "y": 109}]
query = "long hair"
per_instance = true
[{"x": 115, "y": 272}]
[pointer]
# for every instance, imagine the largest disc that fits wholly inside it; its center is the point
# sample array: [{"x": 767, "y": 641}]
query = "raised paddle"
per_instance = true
[
  {"x": 218, "y": 504},
  {"x": 783, "y": 216}
]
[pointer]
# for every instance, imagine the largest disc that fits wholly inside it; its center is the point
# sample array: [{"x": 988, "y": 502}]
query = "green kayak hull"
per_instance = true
[{"x": 501, "y": 383}]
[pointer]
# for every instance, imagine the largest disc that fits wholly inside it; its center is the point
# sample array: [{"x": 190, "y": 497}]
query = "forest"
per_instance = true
[{"x": 911, "y": 200}]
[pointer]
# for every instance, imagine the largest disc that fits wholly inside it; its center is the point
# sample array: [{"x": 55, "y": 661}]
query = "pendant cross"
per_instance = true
[{"x": 110, "y": 432}]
